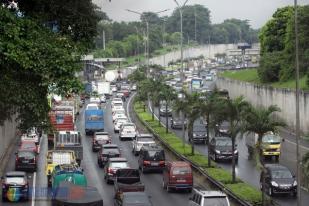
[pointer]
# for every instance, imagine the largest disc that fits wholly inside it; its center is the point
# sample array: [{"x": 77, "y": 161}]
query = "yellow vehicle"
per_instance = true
[
  {"x": 57, "y": 157},
  {"x": 270, "y": 145}
]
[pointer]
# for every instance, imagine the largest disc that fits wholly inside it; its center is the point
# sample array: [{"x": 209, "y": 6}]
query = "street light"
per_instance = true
[
  {"x": 298, "y": 169},
  {"x": 181, "y": 36},
  {"x": 147, "y": 30},
  {"x": 137, "y": 44}
]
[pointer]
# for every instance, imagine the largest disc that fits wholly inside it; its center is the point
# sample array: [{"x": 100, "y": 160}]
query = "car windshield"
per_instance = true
[
  {"x": 136, "y": 200},
  {"x": 181, "y": 170},
  {"x": 27, "y": 146},
  {"x": 155, "y": 155},
  {"x": 224, "y": 143},
  {"x": 271, "y": 138},
  {"x": 111, "y": 151},
  {"x": 281, "y": 174},
  {"x": 25, "y": 154},
  {"x": 129, "y": 128},
  {"x": 102, "y": 137},
  {"x": 118, "y": 104},
  {"x": 15, "y": 180},
  {"x": 92, "y": 107},
  {"x": 119, "y": 165},
  {"x": 145, "y": 139},
  {"x": 215, "y": 201}
]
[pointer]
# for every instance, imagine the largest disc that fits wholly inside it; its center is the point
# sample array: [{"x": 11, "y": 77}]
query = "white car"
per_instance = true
[
  {"x": 134, "y": 87},
  {"x": 119, "y": 94},
  {"x": 119, "y": 115},
  {"x": 118, "y": 123},
  {"x": 31, "y": 136},
  {"x": 127, "y": 131},
  {"x": 92, "y": 106},
  {"x": 140, "y": 140},
  {"x": 209, "y": 77},
  {"x": 115, "y": 108},
  {"x": 95, "y": 100},
  {"x": 102, "y": 99},
  {"x": 113, "y": 88},
  {"x": 116, "y": 101}
]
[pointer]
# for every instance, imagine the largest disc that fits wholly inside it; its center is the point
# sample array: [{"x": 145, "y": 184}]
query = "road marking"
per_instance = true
[
  {"x": 305, "y": 148},
  {"x": 128, "y": 103},
  {"x": 33, "y": 189}
]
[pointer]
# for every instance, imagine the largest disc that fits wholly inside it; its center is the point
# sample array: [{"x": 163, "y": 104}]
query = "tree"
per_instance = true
[
  {"x": 234, "y": 109},
  {"x": 260, "y": 121},
  {"x": 37, "y": 62},
  {"x": 209, "y": 108},
  {"x": 190, "y": 108},
  {"x": 168, "y": 95}
]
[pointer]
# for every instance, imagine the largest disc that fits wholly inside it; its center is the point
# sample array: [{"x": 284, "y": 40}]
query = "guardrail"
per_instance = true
[{"x": 195, "y": 166}]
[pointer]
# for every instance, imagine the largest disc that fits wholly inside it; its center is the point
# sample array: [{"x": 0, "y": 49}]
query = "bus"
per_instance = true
[{"x": 196, "y": 83}]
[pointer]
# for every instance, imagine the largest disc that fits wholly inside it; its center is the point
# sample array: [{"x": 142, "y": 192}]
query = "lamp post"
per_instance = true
[
  {"x": 298, "y": 169},
  {"x": 147, "y": 31},
  {"x": 137, "y": 45},
  {"x": 181, "y": 35}
]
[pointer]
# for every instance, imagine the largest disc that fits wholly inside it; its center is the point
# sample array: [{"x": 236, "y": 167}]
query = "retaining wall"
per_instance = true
[{"x": 260, "y": 95}]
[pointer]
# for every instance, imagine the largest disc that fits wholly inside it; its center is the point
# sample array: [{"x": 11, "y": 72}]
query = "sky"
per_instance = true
[{"x": 256, "y": 11}]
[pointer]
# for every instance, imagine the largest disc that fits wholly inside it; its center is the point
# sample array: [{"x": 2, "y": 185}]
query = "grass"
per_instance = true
[
  {"x": 241, "y": 189},
  {"x": 251, "y": 75}
]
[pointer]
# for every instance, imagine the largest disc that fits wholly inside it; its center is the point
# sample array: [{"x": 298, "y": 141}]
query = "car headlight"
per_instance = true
[
  {"x": 194, "y": 135},
  {"x": 295, "y": 183},
  {"x": 217, "y": 151},
  {"x": 236, "y": 152},
  {"x": 278, "y": 149},
  {"x": 273, "y": 183}
]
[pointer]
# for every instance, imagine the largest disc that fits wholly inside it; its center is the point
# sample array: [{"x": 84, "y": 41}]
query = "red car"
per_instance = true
[
  {"x": 177, "y": 175},
  {"x": 29, "y": 146}
]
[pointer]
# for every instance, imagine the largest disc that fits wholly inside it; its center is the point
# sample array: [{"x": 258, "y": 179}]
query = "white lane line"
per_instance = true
[
  {"x": 293, "y": 143},
  {"x": 33, "y": 189}
]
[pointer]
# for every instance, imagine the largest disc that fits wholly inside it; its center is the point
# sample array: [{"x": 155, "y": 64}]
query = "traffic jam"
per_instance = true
[{"x": 64, "y": 157}]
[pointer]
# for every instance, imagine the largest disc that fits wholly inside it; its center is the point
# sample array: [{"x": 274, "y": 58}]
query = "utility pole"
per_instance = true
[
  {"x": 137, "y": 45},
  {"x": 195, "y": 23},
  {"x": 103, "y": 39},
  {"x": 298, "y": 161}
]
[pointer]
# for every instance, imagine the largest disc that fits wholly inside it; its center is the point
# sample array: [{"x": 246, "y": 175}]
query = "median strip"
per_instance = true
[{"x": 242, "y": 192}]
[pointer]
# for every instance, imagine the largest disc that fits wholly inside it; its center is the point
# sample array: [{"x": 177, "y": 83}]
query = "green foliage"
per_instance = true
[
  {"x": 34, "y": 62},
  {"x": 246, "y": 192},
  {"x": 242, "y": 190},
  {"x": 277, "y": 39}
]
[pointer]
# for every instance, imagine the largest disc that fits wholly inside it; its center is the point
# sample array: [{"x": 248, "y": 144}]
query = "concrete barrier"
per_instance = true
[
  {"x": 261, "y": 95},
  {"x": 8, "y": 139}
]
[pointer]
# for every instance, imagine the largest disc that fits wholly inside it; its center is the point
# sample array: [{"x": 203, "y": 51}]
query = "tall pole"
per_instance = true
[
  {"x": 137, "y": 45},
  {"x": 147, "y": 27},
  {"x": 103, "y": 39},
  {"x": 195, "y": 23},
  {"x": 163, "y": 40},
  {"x": 298, "y": 169}
]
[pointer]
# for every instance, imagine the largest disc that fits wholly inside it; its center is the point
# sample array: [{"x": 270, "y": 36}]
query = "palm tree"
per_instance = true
[
  {"x": 260, "y": 121},
  {"x": 210, "y": 107},
  {"x": 189, "y": 106},
  {"x": 168, "y": 95},
  {"x": 234, "y": 108}
]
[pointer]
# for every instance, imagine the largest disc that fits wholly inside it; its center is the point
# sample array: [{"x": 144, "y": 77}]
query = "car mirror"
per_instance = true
[
  {"x": 149, "y": 196},
  {"x": 236, "y": 145},
  {"x": 16, "y": 153},
  {"x": 29, "y": 177},
  {"x": 282, "y": 139},
  {"x": 294, "y": 176}
]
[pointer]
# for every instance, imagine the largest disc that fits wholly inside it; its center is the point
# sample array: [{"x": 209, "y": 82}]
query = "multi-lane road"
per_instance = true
[{"x": 246, "y": 169}]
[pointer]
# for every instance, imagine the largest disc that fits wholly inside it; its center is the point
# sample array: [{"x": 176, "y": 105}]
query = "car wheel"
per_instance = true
[
  {"x": 270, "y": 191},
  {"x": 294, "y": 194}
]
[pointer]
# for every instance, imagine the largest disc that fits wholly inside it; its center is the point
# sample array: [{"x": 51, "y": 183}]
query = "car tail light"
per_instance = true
[
  {"x": 110, "y": 171},
  {"x": 162, "y": 162},
  {"x": 146, "y": 162}
]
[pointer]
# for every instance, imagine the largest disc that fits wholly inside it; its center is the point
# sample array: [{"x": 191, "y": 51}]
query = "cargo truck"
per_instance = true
[
  {"x": 69, "y": 140},
  {"x": 94, "y": 121}
]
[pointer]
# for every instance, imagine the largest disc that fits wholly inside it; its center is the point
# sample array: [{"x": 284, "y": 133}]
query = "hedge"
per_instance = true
[{"x": 241, "y": 189}]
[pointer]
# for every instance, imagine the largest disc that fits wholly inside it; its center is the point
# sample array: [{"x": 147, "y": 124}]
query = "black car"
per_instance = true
[
  {"x": 220, "y": 148},
  {"x": 278, "y": 180},
  {"x": 199, "y": 134},
  {"x": 133, "y": 199},
  {"x": 25, "y": 160},
  {"x": 15, "y": 186},
  {"x": 177, "y": 123},
  {"x": 222, "y": 129},
  {"x": 151, "y": 158},
  {"x": 106, "y": 152}
]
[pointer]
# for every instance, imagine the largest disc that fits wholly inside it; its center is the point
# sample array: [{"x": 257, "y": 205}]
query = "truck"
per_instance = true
[
  {"x": 104, "y": 89},
  {"x": 127, "y": 180},
  {"x": 57, "y": 157},
  {"x": 270, "y": 145},
  {"x": 69, "y": 140},
  {"x": 62, "y": 118},
  {"x": 94, "y": 121}
]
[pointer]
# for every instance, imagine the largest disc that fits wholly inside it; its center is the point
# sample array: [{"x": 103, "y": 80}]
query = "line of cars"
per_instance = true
[{"x": 15, "y": 184}]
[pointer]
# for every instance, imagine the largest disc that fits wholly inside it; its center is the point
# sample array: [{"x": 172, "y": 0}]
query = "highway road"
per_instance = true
[{"x": 246, "y": 169}]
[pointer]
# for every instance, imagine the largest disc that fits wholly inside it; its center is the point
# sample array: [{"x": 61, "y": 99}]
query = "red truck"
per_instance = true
[{"x": 62, "y": 119}]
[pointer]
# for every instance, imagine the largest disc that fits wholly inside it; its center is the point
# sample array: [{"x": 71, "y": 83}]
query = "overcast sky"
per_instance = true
[{"x": 257, "y": 11}]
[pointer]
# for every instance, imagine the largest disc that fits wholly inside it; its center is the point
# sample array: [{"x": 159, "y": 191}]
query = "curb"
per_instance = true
[
  {"x": 6, "y": 155},
  {"x": 196, "y": 167}
]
